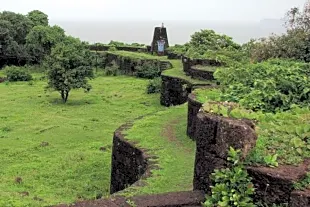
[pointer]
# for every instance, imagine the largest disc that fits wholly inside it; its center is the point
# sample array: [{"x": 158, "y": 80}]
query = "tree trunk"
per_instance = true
[{"x": 64, "y": 96}]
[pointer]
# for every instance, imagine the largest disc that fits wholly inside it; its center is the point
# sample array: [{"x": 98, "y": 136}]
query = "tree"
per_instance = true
[
  {"x": 69, "y": 67},
  {"x": 38, "y": 18},
  {"x": 41, "y": 39},
  {"x": 21, "y": 25},
  {"x": 209, "y": 40}
]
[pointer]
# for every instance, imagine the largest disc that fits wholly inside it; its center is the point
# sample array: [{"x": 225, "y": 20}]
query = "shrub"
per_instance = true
[
  {"x": 233, "y": 186},
  {"x": 148, "y": 70},
  {"x": 112, "y": 70},
  {"x": 274, "y": 85},
  {"x": 14, "y": 73},
  {"x": 154, "y": 86}
]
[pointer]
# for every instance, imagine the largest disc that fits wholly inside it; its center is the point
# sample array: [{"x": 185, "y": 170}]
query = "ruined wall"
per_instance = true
[
  {"x": 128, "y": 162},
  {"x": 214, "y": 135},
  {"x": 193, "y": 109},
  {"x": 177, "y": 199},
  {"x": 128, "y": 65},
  {"x": 190, "y": 69},
  {"x": 124, "y": 48},
  {"x": 173, "y": 56},
  {"x": 174, "y": 91}
]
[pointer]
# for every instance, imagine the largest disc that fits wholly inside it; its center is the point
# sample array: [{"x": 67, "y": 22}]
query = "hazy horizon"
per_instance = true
[{"x": 178, "y": 31}]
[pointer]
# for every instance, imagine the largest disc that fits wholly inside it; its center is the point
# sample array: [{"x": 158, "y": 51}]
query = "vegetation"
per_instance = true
[
  {"x": 137, "y": 56},
  {"x": 69, "y": 67},
  {"x": 62, "y": 152},
  {"x": 164, "y": 135},
  {"x": 148, "y": 70},
  {"x": 283, "y": 137},
  {"x": 232, "y": 186},
  {"x": 177, "y": 71},
  {"x": 14, "y": 73},
  {"x": 292, "y": 45},
  {"x": 274, "y": 85},
  {"x": 154, "y": 86}
]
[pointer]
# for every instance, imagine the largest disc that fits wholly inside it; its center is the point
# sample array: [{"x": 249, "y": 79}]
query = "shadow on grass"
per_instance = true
[{"x": 71, "y": 102}]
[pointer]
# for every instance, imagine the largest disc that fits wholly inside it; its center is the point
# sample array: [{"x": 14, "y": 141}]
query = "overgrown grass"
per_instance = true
[
  {"x": 177, "y": 71},
  {"x": 164, "y": 135},
  {"x": 205, "y": 68},
  {"x": 283, "y": 137},
  {"x": 136, "y": 55},
  {"x": 50, "y": 151}
]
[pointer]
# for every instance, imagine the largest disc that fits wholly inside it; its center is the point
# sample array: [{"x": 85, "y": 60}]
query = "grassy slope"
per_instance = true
[
  {"x": 175, "y": 151},
  {"x": 137, "y": 55},
  {"x": 72, "y": 166},
  {"x": 177, "y": 71}
]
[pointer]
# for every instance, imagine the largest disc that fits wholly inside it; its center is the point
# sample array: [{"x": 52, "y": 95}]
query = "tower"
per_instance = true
[{"x": 160, "y": 40}]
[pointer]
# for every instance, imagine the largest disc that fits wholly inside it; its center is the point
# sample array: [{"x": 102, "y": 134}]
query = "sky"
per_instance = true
[{"x": 159, "y": 10}]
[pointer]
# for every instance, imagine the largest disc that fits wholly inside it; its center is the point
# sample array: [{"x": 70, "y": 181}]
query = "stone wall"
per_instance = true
[
  {"x": 190, "y": 69},
  {"x": 128, "y": 162},
  {"x": 177, "y": 199},
  {"x": 128, "y": 65},
  {"x": 214, "y": 136},
  {"x": 193, "y": 109},
  {"x": 173, "y": 56},
  {"x": 174, "y": 91},
  {"x": 124, "y": 48}
]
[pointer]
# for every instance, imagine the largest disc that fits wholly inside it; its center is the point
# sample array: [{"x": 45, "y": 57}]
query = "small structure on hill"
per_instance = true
[{"x": 160, "y": 40}]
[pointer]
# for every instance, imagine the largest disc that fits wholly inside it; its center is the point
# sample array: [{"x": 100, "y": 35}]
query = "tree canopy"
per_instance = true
[{"x": 69, "y": 67}]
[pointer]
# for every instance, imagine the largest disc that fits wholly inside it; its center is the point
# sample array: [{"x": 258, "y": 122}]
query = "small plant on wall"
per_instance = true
[{"x": 232, "y": 186}]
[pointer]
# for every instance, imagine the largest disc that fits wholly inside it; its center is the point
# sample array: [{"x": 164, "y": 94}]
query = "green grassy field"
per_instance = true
[
  {"x": 164, "y": 135},
  {"x": 72, "y": 166}
]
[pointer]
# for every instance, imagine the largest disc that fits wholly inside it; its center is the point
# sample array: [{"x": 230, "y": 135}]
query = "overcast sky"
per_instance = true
[{"x": 219, "y": 10}]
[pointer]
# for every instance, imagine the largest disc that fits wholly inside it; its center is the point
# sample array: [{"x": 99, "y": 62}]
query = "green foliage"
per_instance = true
[
  {"x": 293, "y": 45},
  {"x": 269, "y": 86},
  {"x": 283, "y": 137},
  {"x": 148, "y": 70},
  {"x": 233, "y": 186},
  {"x": 112, "y": 69},
  {"x": 154, "y": 86},
  {"x": 205, "y": 40},
  {"x": 41, "y": 39},
  {"x": 14, "y": 73},
  {"x": 69, "y": 67},
  {"x": 38, "y": 18},
  {"x": 303, "y": 184}
]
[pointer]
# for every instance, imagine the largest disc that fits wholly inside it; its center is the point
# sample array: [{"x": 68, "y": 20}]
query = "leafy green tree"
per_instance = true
[
  {"x": 209, "y": 40},
  {"x": 21, "y": 25},
  {"x": 41, "y": 39},
  {"x": 69, "y": 67},
  {"x": 38, "y": 18}
]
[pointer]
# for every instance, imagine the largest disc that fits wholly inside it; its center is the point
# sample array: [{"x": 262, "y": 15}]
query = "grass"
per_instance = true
[
  {"x": 164, "y": 135},
  {"x": 71, "y": 166},
  {"x": 136, "y": 55},
  {"x": 205, "y": 68},
  {"x": 177, "y": 71},
  {"x": 283, "y": 138}
]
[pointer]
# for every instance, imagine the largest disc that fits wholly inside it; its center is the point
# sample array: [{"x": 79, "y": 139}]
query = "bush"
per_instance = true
[
  {"x": 14, "y": 73},
  {"x": 148, "y": 70},
  {"x": 154, "y": 86},
  {"x": 274, "y": 85},
  {"x": 233, "y": 186},
  {"x": 112, "y": 70}
]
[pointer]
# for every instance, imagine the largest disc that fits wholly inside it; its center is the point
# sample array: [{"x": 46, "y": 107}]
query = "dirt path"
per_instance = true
[{"x": 170, "y": 133}]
